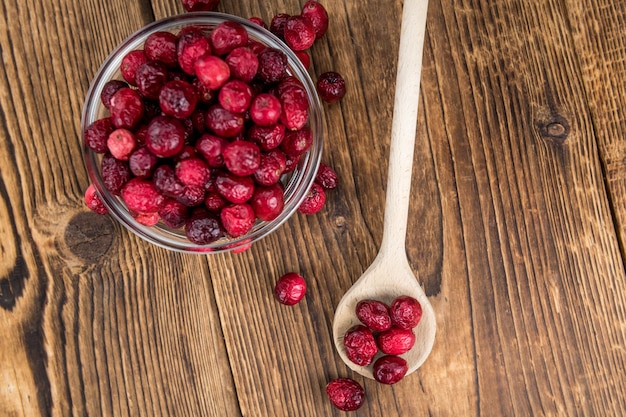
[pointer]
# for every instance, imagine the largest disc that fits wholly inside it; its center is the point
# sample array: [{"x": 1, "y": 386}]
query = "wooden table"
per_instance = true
[{"x": 517, "y": 231}]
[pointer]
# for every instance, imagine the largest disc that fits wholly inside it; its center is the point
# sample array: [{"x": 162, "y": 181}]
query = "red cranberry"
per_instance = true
[
  {"x": 290, "y": 289},
  {"x": 242, "y": 157},
  {"x": 126, "y": 109},
  {"x": 165, "y": 136},
  {"x": 288, "y": 82},
  {"x": 267, "y": 137},
  {"x": 258, "y": 21},
  {"x": 299, "y": 33},
  {"x": 130, "y": 63},
  {"x": 115, "y": 173},
  {"x": 243, "y": 63},
  {"x": 178, "y": 99},
  {"x": 374, "y": 314},
  {"x": 192, "y": 45},
  {"x": 234, "y": 188},
  {"x": 277, "y": 25},
  {"x": 389, "y": 369},
  {"x": 161, "y": 46},
  {"x": 265, "y": 109},
  {"x": 192, "y": 196},
  {"x": 212, "y": 71},
  {"x": 211, "y": 148},
  {"x": 142, "y": 163},
  {"x": 214, "y": 202},
  {"x": 331, "y": 86},
  {"x": 268, "y": 202},
  {"x": 166, "y": 181},
  {"x": 235, "y": 96},
  {"x": 272, "y": 66},
  {"x": 150, "y": 78},
  {"x": 256, "y": 47},
  {"x": 314, "y": 200},
  {"x": 271, "y": 167},
  {"x": 93, "y": 201},
  {"x": 141, "y": 196},
  {"x": 223, "y": 122},
  {"x": 121, "y": 143},
  {"x": 109, "y": 89},
  {"x": 193, "y": 172},
  {"x": 227, "y": 36},
  {"x": 396, "y": 341},
  {"x": 237, "y": 219},
  {"x": 147, "y": 219},
  {"x": 200, "y": 5},
  {"x": 406, "y": 312},
  {"x": 203, "y": 228},
  {"x": 346, "y": 394},
  {"x": 304, "y": 58},
  {"x": 295, "y": 107},
  {"x": 326, "y": 177},
  {"x": 173, "y": 213},
  {"x": 297, "y": 142},
  {"x": 318, "y": 16},
  {"x": 360, "y": 345},
  {"x": 97, "y": 134}
]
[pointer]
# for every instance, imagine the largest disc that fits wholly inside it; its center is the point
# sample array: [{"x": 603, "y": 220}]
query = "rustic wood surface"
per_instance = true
[{"x": 517, "y": 231}]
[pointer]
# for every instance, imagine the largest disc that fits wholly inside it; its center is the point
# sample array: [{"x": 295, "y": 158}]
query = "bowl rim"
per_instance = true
[{"x": 297, "y": 186}]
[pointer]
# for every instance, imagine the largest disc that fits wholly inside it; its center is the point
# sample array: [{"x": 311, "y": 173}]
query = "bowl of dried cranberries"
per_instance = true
[{"x": 201, "y": 132}]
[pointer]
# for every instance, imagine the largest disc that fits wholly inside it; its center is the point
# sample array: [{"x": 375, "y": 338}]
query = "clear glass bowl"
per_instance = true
[{"x": 296, "y": 184}]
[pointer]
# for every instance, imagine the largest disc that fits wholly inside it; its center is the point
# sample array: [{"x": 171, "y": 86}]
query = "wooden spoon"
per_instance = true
[{"x": 390, "y": 275}]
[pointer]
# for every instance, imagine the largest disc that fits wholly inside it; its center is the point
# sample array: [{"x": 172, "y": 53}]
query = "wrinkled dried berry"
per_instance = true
[
  {"x": 203, "y": 228},
  {"x": 242, "y": 157},
  {"x": 147, "y": 219},
  {"x": 258, "y": 21},
  {"x": 299, "y": 33},
  {"x": 165, "y": 136},
  {"x": 389, "y": 369},
  {"x": 272, "y": 66},
  {"x": 214, "y": 201},
  {"x": 193, "y": 172},
  {"x": 211, "y": 148},
  {"x": 297, "y": 142},
  {"x": 374, "y": 314},
  {"x": 237, "y": 219},
  {"x": 142, "y": 163},
  {"x": 326, "y": 177},
  {"x": 277, "y": 25},
  {"x": 222, "y": 122},
  {"x": 97, "y": 134},
  {"x": 234, "y": 188},
  {"x": 268, "y": 202},
  {"x": 178, "y": 99},
  {"x": 115, "y": 173},
  {"x": 331, "y": 86},
  {"x": 166, "y": 181},
  {"x": 271, "y": 168},
  {"x": 110, "y": 88},
  {"x": 295, "y": 106},
  {"x": 318, "y": 16},
  {"x": 267, "y": 137},
  {"x": 142, "y": 196},
  {"x": 126, "y": 109},
  {"x": 161, "y": 46},
  {"x": 396, "y": 341},
  {"x": 227, "y": 36},
  {"x": 346, "y": 394},
  {"x": 290, "y": 289},
  {"x": 360, "y": 345},
  {"x": 314, "y": 201},
  {"x": 405, "y": 312},
  {"x": 192, "y": 44},
  {"x": 235, "y": 96},
  {"x": 93, "y": 201},
  {"x": 243, "y": 63},
  {"x": 150, "y": 78},
  {"x": 130, "y": 63}
]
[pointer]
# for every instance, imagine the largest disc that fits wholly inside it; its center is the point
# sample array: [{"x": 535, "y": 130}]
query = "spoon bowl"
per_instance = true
[{"x": 390, "y": 275}]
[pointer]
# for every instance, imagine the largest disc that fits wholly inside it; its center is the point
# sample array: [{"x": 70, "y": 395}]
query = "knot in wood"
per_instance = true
[
  {"x": 89, "y": 235},
  {"x": 555, "y": 129}
]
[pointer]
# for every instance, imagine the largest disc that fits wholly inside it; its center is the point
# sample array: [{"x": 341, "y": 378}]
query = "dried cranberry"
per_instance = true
[
  {"x": 126, "y": 109},
  {"x": 211, "y": 148},
  {"x": 193, "y": 172},
  {"x": 272, "y": 66},
  {"x": 142, "y": 163},
  {"x": 192, "y": 196},
  {"x": 374, "y": 314},
  {"x": 295, "y": 106},
  {"x": 178, "y": 99},
  {"x": 212, "y": 71},
  {"x": 299, "y": 33},
  {"x": 109, "y": 89},
  {"x": 166, "y": 181},
  {"x": 396, "y": 341},
  {"x": 223, "y": 122},
  {"x": 326, "y": 177},
  {"x": 271, "y": 167},
  {"x": 243, "y": 63},
  {"x": 130, "y": 63},
  {"x": 173, "y": 213},
  {"x": 265, "y": 109},
  {"x": 203, "y": 228},
  {"x": 121, "y": 143},
  {"x": 192, "y": 44},
  {"x": 115, "y": 173},
  {"x": 188, "y": 151},
  {"x": 406, "y": 312},
  {"x": 235, "y": 96},
  {"x": 389, "y": 369},
  {"x": 346, "y": 394},
  {"x": 258, "y": 21},
  {"x": 237, "y": 219},
  {"x": 268, "y": 202},
  {"x": 141, "y": 196},
  {"x": 277, "y": 25},
  {"x": 227, "y": 36},
  {"x": 290, "y": 289},
  {"x": 150, "y": 78},
  {"x": 161, "y": 46},
  {"x": 97, "y": 134},
  {"x": 93, "y": 201},
  {"x": 200, "y": 5},
  {"x": 360, "y": 345},
  {"x": 242, "y": 157},
  {"x": 267, "y": 137},
  {"x": 318, "y": 16},
  {"x": 331, "y": 86},
  {"x": 214, "y": 202},
  {"x": 165, "y": 136},
  {"x": 314, "y": 200},
  {"x": 234, "y": 188},
  {"x": 297, "y": 142}
]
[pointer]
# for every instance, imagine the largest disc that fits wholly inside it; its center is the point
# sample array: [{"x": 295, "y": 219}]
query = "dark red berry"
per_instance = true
[
  {"x": 389, "y": 369},
  {"x": 290, "y": 289},
  {"x": 272, "y": 66},
  {"x": 234, "y": 188},
  {"x": 214, "y": 202},
  {"x": 126, "y": 109},
  {"x": 326, "y": 177},
  {"x": 115, "y": 173},
  {"x": 109, "y": 89},
  {"x": 142, "y": 163},
  {"x": 406, "y": 312},
  {"x": 267, "y": 137},
  {"x": 297, "y": 142},
  {"x": 192, "y": 44},
  {"x": 173, "y": 213},
  {"x": 212, "y": 71},
  {"x": 242, "y": 157},
  {"x": 318, "y": 16},
  {"x": 277, "y": 25},
  {"x": 237, "y": 219},
  {"x": 360, "y": 345},
  {"x": 97, "y": 134},
  {"x": 374, "y": 314},
  {"x": 346, "y": 394},
  {"x": 271, "y": 168},
  {"x": 295, "y": 106},
  {"x": 396, "y": 341},
  {"x": 314, "y": 200},
  {"x": 235, "y": 96},
  {"x": 150, "y": 78},
  {"x": 299, "y": 33},
  {"x": 166, "y": 181},
  {"x": 203, "y": 228},
  {"x": 162, "y": 47},
  {"x": 193, "y": 172},
  {"x": 200, "y": 5},
  {"x": 222, "y": 122},
  {"x": 165, "y": 136},
  {"x": 331, "y": 86},
  {"x": 211, "y": 148},
  {"x": 243, "y": 63},
  {"x": 268, "y": 202},
  {"x": 93, "y": 201},
  {"x": 178, "y": 99},
  {"x": 227, "y": 36},
  {"x": 130, "y": 63},
  {"x": 192, "y": 196},
  {"x": 142, "y": 196}
]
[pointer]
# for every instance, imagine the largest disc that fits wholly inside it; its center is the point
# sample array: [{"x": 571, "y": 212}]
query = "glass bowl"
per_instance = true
[{"x": 296, "y": 184}]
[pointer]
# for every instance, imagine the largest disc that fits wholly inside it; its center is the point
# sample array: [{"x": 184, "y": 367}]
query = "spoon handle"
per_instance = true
[{"x": 403, "y": 125}]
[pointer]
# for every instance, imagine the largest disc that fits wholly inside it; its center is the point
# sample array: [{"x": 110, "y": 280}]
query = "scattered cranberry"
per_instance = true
[
  {"x": 235, "y": 96},
  {"x": 161, "y": 46},
  {"x": 212, "y": 71},
  {"x": 130, "y": 63},
  {"x": 389, "y": 369},
  {"x": 126, "y": 109},
  {"x": 299, "y": 33},
  {"x": 360, "y": 345},
  {"x": 265, "y": 109},
  {"x": 396, "y": 341},
  {"x": 290, "y": 289},
  {"x": 326, "y": 177},
  {"x": 242, "y": 157},
  {"x": 331, "y": 86},
  {"x": 406, "y": 312},
  {"x": 165, "y": 136},
  {"x": 374, "y": 314},
  {"x": 110, "y": 88},
  {"x": 203, "y": 228},
  {"x": 277, "y": 25},
  {"x": 173, "y": 213},
  {"x": 93, "y": 201},
  {"x": 193, "y": 172},
  {"x": 142, "y": 196},
  {"x": 314, "y": 200},
  {"x": 192, "y": 45},
  {"x": 346, "y": 394},
  {"x": 200, "y": 5},
  {"x": 318, "y": 16},
  {"x": 227, "y": 36},
  {"x": 97, "y": 134},
  {"x": 268, "y": 202},
  {"x": 237, "y": 219},
  {"x": 178, "y": 99}
]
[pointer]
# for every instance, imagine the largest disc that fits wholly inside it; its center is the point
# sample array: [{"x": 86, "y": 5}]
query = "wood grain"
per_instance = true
[{"x": 516, "y": 228}]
